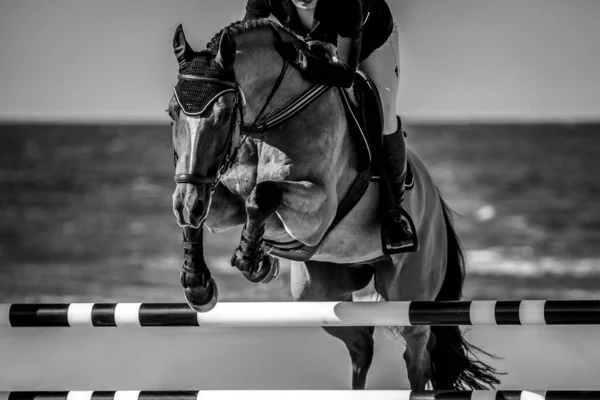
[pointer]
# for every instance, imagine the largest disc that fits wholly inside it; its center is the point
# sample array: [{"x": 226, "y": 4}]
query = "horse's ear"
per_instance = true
[
  {"x": 181, "y": 47},
  {"x": 226, "y": 54}
]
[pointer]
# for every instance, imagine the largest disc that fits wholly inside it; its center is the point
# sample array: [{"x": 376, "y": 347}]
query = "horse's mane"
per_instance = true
[{"x": 238, "y": 27}]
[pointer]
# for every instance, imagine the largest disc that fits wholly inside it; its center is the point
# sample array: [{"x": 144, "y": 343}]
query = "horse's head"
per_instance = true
[
  {"x": 203, "y": 110},
  {"x": 209, "y": 98}
]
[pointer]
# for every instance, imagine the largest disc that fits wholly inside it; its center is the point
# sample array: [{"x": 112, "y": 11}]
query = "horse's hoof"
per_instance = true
[
  {"x": 202, "y": 299},
  {"x": 242, "y": 263},
  {"x": 273, "y": 271},
  {"x": 263, "y": 269},
  {"x": 267, "y": 272}
]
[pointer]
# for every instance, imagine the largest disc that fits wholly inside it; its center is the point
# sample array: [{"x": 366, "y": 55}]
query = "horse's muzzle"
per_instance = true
[{"x": 190, "y": 204}]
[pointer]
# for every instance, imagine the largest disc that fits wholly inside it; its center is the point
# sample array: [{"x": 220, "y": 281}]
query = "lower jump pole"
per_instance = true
[
  {"x": 304, "y": 395},
  {"x": 302, "y": 314}
]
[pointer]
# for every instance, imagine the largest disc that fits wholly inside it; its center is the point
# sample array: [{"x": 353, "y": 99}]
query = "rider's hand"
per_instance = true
[{"x": 324, "y": 50}]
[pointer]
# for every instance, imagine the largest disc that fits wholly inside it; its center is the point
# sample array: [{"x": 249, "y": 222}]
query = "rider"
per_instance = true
[{"x": 366, "y": 35}]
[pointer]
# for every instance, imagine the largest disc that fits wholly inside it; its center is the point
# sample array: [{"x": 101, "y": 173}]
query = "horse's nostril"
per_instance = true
[{"x": 198, "y": 207}]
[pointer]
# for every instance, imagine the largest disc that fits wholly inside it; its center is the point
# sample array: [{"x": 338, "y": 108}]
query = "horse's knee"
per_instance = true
[{"x": 268, "y": 195}]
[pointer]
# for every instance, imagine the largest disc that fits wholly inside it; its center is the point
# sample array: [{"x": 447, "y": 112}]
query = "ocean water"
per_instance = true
[{"x": 85, "y": 212}]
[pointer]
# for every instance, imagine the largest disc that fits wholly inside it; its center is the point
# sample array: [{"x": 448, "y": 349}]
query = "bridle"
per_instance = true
[{"x": 229, "y": 152}]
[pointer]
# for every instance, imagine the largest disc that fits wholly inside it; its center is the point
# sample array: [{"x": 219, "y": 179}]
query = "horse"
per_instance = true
[{"x": 283, "y": 181}]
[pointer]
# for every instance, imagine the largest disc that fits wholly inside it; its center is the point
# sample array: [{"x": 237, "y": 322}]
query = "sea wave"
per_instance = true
[{"x": 494, "y": 262}]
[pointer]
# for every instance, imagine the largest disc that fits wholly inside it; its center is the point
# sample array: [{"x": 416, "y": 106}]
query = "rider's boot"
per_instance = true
[{"x": 398, "y": 236}]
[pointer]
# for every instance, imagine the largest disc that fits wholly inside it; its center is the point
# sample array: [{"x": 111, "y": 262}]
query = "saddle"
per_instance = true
[{"x": 365, "y": 114}]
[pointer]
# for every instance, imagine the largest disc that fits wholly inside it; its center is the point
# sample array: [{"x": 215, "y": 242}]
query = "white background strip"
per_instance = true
[
  {"x": 127, "y": 395},
  {"x": 4, "y": 314},
  {"x": 303, "y": 395},
  {"x": 483, "y": 312},
  {"x": 531, "y": 312},
  {"x": 483, "y": 394},
  {"x": 529, "y": 395},
  {"x": 82, "y": 395},
  {"x": 80, "y": 314},
  {"x": 127, "y": 314}
]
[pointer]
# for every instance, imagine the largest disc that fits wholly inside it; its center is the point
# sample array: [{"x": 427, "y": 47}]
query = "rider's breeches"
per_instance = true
[{"x": 383, "y": 67}]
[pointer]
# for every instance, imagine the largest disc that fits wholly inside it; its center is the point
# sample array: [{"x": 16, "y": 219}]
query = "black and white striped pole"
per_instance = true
[{"x": 302, "y": 314}]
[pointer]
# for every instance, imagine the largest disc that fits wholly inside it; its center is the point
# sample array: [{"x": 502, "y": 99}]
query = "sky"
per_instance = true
[{"x": 508, "y": 60}]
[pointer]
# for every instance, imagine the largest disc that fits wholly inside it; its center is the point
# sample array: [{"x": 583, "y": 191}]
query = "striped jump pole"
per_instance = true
[
  {"x": 302, "y": 314},
  {"x": 304, "y": 395}
]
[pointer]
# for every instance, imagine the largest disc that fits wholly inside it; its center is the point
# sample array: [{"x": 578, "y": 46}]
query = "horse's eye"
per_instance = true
[{"x": 173, "y": 111}]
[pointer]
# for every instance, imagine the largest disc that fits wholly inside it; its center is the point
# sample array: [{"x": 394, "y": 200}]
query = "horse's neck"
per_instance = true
[
  {"x": 258, "y": 67},
  {"x": 316, "y": 142}
]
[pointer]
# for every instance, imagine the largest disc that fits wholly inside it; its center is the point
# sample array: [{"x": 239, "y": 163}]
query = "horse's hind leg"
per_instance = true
[
  {"x": 319, "y": 281},
  {"x": 403, "y": 280},
  {"x": 417, "y": 355},
  {"x": 250, "y": 257}
]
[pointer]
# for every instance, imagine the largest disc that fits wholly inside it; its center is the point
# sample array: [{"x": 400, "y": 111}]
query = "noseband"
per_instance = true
[{"x": 229, "y": 152}]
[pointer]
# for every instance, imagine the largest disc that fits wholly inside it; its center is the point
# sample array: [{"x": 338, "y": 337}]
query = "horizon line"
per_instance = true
[{"x": 410, "y": 118}]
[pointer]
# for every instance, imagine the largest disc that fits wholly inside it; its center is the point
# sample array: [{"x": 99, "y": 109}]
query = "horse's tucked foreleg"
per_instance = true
[
  {"x": 307, "y": 210},
  {"x": 251, "y": 257}
]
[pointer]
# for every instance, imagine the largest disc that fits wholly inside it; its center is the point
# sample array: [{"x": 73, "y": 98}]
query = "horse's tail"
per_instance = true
[{"x": 454, "y": 365}]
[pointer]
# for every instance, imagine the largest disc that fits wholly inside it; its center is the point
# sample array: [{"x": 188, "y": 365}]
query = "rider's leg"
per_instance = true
[{"x": 383, "y": 67}]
